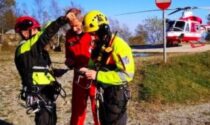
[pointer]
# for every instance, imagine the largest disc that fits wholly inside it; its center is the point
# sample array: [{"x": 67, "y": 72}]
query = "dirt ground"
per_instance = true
[{"x": 13, "y": 113}]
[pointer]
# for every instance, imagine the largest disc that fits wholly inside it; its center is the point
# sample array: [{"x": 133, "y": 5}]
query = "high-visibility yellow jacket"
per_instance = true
[
  {"x": 121, "y": 56},
  {"x": 32, "y": 60}
]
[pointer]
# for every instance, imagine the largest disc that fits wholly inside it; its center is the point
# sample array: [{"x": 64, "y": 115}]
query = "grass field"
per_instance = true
[{"x": 183, "y": 79}]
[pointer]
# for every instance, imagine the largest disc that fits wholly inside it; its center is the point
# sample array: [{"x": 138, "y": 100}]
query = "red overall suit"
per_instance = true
[{"x": 78, "y": 49}]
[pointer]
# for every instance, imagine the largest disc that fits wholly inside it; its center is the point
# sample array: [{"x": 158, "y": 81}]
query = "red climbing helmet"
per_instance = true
[{"x": 26, "y": 23}]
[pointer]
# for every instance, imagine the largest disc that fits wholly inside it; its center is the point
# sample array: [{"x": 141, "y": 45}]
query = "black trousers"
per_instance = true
[
  {"x": 112, "y": 110},
  {"x": 47, "y": 116},
  {"x": 44, "y": 117}
]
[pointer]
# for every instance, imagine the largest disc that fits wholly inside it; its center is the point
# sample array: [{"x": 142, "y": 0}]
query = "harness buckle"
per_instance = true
[{"x": 35, "y": 89}]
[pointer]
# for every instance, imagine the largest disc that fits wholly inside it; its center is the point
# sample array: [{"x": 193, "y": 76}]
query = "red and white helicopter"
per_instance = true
[{"x": 188, "y": 28}]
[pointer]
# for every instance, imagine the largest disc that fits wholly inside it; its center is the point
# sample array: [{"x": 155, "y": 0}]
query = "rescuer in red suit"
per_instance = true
[{"x": 78, "y": 49}]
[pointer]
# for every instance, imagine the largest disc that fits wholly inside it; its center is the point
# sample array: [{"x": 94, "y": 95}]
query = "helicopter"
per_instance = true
[{"x": 188, "y": 28}]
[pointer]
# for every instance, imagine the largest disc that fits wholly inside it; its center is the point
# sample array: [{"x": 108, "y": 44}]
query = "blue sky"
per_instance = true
[{"x": 113, "y": 7}]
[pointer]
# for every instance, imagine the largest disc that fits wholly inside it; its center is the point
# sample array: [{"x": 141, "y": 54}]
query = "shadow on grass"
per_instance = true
[
  {"x": 4, "y": 122},
  {"x": 144, "y": 93}
]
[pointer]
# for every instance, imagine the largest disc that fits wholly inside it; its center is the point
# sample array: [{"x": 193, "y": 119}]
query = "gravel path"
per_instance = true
[{"x": 176, "y": 115}]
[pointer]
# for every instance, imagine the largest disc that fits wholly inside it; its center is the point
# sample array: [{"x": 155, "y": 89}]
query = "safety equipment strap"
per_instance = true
[{"x": 104, "y": 53}]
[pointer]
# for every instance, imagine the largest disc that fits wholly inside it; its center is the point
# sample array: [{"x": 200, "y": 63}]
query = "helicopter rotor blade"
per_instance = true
[
  {"x": 194, "y": 7},
  {"x": 177, "y": 10},
  {"x": 181, "y": 9},
  {"x": 205, "y": 8},
  {"x": 129, "y": 13},
  {"x": 145, "y": 11}
]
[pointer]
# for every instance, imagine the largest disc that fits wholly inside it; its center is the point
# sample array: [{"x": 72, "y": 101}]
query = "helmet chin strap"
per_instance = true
[{"x": 30, "y": 33}]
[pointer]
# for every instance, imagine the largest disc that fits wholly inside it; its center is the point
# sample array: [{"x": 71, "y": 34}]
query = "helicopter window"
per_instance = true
[
  {"x": 170, "y": 25},
  {"x": 179, "y": 26}
]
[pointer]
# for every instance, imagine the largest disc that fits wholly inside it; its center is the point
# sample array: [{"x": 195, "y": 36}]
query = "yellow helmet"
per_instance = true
[{"x": 93, "y": 19}]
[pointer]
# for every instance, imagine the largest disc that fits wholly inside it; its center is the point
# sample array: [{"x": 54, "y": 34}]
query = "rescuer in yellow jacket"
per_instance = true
[
  {"x": 112, "y": 67},
  {"x": 40, "y": 88}
]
